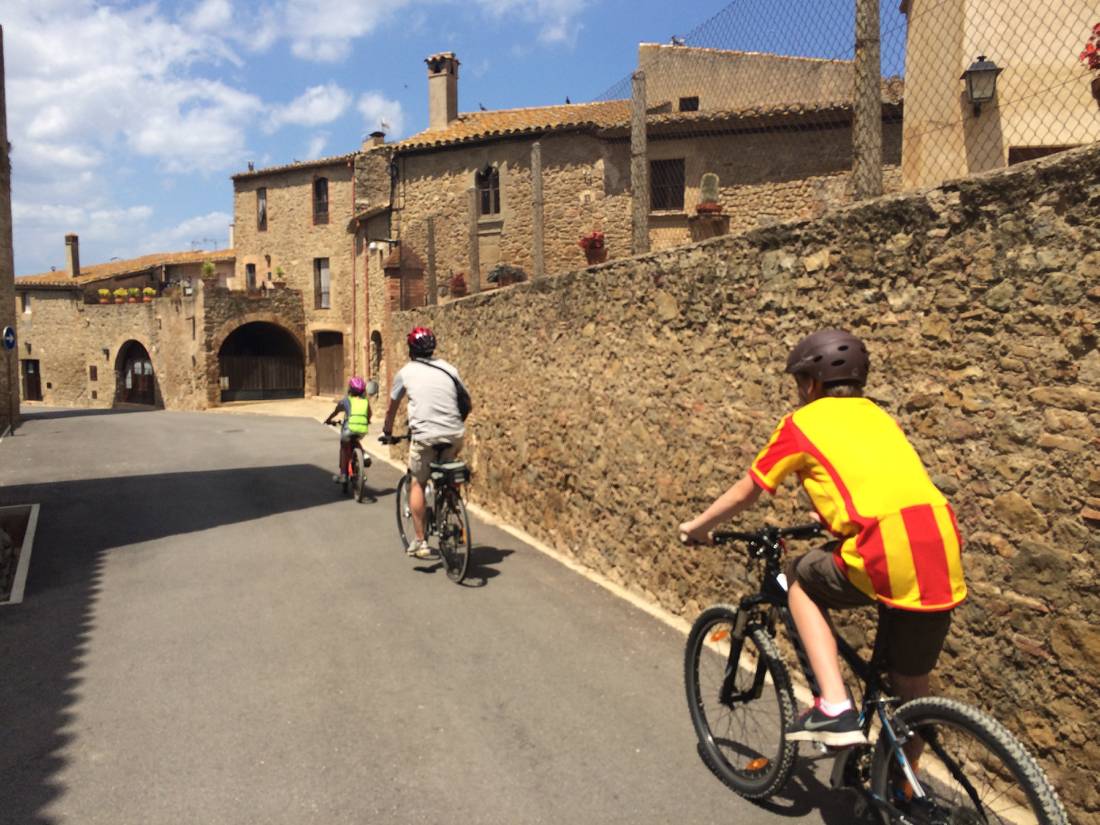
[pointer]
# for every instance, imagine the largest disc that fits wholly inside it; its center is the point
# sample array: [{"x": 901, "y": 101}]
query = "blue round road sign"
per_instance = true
[{"x": 9, "y": 338}]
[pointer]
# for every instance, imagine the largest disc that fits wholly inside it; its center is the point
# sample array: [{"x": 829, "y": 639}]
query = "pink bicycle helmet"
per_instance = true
[{"x": 356, "y": 385}]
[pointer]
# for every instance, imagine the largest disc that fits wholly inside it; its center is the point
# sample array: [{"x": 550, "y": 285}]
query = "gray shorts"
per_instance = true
[
  {"x": 913, "y": 639},
  {"x": 422, "y": 454}
]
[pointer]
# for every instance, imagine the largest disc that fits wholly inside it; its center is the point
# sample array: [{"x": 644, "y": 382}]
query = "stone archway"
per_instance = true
[
  {"x": 260, "y": 360},
  {"x": 136, "y": 381}
]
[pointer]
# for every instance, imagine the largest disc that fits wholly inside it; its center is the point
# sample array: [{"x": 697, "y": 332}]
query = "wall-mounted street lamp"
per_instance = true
[{"x": 981, "y": 82}]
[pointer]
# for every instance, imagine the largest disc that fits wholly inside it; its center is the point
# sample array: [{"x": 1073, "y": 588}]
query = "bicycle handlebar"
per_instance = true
[
  {"x": 802, "y": 531},
  {"x": 394, "y": 439}
]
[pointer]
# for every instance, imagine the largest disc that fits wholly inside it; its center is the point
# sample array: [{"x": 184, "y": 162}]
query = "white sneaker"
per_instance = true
[{"x": 419, "y": 549}]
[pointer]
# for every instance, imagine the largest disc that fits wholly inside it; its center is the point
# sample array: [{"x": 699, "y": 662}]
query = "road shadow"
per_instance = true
[
  {"x": 804, "y": 793},
  {"x": 479, "y": 571},
  {"x": 52, "y": 413},
  {"x": 44, "y": 639}
]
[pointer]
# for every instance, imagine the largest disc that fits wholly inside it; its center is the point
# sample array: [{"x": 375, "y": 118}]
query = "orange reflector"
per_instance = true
[
  {"x": 719, "y": 635},
  {"x": 758, "y": 764}
]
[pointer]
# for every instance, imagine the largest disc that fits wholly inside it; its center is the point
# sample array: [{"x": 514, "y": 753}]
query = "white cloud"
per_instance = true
[
  {"x": 314, "y": 107},
  {"x": 211, "y": 15},
  {"x": 556, "y": 19},
  {"x": 316, "y": 146},
  {"x": 209, "y": 231},
  {"x": 322, "y": 30},
  {"x": 381, "y": 113}
]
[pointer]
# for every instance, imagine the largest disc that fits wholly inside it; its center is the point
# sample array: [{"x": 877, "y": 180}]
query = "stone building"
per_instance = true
[
  {"x": 776, "y": 130},
  {"x": 9, "y": 387},
  {"x": 121, "y": 332},
  {"x": 1043, "y": 103},
  {"x": 294, "y": 226}
]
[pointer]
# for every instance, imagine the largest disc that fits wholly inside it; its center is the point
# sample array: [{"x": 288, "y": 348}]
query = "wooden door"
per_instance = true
[
  {"x": 330, "y": 363},
  {"x": 32, "y": 381}
]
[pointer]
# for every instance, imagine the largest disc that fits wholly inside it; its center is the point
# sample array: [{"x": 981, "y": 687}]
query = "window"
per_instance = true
[
  {"x": 488, "y": 190},
  {"x": 250, "y": 276},
  {"x": 25, "y": 301},
  {"x": 261, "y": 210},
  {"x": 689, "y": 104},
  {"x": 320, "y": 200},
  {"x": 666, "y": 185},
  {"x": 321, "y": 283},
  {"x": 93, "y": 373}
]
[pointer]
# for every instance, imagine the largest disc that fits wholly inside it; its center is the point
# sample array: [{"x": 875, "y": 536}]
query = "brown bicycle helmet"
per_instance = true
[{"x": 832, "y": 356}]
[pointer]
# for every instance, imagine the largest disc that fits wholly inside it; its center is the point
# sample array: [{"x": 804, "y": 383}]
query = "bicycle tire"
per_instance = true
[
  {"x": 360, "y": 473},
  {"x": 753, "y": 770},
  {"x": 454, "y": 536},
  {"x": 1033, "y": 801},
  {"x": 405, "y": 527}
]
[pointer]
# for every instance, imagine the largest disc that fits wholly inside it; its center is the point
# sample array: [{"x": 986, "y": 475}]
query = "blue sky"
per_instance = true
[{"x": 126, "y": 119}]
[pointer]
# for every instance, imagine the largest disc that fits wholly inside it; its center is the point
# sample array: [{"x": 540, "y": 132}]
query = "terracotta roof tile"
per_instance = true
[
  {"x": 114, "y": 269},
  {"x": 474, "y": 126},
  {"x": 298, "y": 164}
]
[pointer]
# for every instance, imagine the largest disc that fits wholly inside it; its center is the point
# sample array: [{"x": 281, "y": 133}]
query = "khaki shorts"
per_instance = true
[
  {"x": 913, "y": 638},
  {"x": 422, "y": 454}
]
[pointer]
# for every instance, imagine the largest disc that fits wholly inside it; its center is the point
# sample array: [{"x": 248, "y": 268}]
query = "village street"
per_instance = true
[{"x": 212, "y": 634}]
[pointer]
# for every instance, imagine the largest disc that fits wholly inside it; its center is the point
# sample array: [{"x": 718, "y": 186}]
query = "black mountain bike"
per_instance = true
[
  {"x": 971, "y": 769},
  {"x": 445, "y": 512}
]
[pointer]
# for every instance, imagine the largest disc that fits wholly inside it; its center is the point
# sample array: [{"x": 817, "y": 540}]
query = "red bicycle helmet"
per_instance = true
[
  {"x": 421, "y": 342},
  {"x": 831, "y": 356}
]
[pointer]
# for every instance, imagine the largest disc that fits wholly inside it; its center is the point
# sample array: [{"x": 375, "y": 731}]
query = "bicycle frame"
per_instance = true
[{"x": 761, "y": 610}]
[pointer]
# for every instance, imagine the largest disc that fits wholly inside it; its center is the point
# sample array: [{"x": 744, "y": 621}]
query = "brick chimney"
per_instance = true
[
  {"x": 374, "y": 139},
  {"x": 72, "y": 256},
  {"x": 442, "y": 90}
]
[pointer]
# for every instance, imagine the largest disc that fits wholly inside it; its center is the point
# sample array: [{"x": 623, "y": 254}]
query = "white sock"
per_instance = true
[{"x": 834, "y": 708}]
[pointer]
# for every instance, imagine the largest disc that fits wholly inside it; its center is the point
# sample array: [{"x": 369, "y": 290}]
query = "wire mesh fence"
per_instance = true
[{"x": 775, "y": 104}]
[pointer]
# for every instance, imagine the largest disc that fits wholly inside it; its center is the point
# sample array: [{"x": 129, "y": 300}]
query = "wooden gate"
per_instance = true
[
  {"x": 330, "y": 363},
  {"x": 32, "y": 383},
  {"x": 260, "y": 361}
]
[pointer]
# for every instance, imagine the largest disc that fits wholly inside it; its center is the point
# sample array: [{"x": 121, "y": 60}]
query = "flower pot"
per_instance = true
[
  {"x": 120, "y": 300},
  {"x": 147, "y": 299},
  {"x": 105, "y": 300},
  {"x": 131, "y": 300},
  {"x": 595, "y": 255}
]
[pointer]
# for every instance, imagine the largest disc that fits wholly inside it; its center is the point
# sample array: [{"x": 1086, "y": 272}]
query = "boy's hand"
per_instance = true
[{"x": 691, "y": 535}]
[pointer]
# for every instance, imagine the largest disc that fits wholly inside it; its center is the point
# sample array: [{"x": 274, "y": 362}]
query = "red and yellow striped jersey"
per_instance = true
[{"x": 900, "y": 543}]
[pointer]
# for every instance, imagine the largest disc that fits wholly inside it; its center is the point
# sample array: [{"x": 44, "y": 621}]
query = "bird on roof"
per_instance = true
[
  {"x": 567, "y": 100},
  {"x": 482, "y": 107},
  {"x": 676, "y": 40},
  {"x": 251, "y": 166}
]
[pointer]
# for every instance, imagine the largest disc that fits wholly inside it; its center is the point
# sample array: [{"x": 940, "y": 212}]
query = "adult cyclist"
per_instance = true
[
  {"x": 435, "y": 423},
  {"x": 356, "y": 410}
]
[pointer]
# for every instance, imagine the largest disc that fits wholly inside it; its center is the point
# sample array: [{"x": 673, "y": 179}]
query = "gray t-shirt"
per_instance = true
[{"x": 433, "y": 400}]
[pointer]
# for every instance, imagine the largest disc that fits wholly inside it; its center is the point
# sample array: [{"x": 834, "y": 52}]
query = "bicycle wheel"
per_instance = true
[
  {"x": 971, "y": 768},
  {"x": 405, "y": 527},
  {"x": 741, "y": 702},
  {"x": 454, "y": 536},
  {"x": 360, "y": 473}
]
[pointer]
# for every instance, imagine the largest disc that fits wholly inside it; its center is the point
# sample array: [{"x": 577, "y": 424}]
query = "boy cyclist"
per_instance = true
[
  {"x": 356, "y": 410},
  {"x": 897, "y": 539}
]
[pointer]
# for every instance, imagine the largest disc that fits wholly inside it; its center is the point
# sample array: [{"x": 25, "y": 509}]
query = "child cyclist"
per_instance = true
[
  {"x": 356, "y": 409},
  {"x": 897, "y": 539}
]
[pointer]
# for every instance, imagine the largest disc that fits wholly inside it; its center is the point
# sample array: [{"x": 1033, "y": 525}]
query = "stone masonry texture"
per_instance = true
[{"x": 639, "y": 390}]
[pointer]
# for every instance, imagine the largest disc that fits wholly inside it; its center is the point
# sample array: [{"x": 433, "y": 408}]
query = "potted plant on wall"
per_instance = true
[
  {"x": 1091, "y": 58},
  {"x": 595, "y": 247},
  {"x": 458, "y": 285},
  {"x": 280, "y": 277},
  {"x": 104, "y": 296},
  {"x": 134, "y": 294},
  {"x": 121, "y": 294},
  {"x": 148, "y": 294}
]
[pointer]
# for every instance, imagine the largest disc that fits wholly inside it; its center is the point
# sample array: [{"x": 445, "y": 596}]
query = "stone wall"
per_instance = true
[
  {"x": 292, "y": 242},
  {"x": 642, "y": 388}
]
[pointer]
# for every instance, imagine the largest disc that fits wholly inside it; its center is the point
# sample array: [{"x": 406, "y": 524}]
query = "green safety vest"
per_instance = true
[{"x": 357, "y": 418}]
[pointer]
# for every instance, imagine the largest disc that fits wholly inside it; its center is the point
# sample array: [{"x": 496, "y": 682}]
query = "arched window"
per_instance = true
[
  {"x": 320, "y": 200},
  {"x": 488, "y": 190}
]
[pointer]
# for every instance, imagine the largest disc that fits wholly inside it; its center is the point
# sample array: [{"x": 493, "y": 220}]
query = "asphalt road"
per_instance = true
[{"x": 212, "y": 634}]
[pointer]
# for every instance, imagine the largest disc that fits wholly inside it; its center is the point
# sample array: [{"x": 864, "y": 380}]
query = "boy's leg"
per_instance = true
[
  {"x": 817, "y": 638},
  {"x": 914, "y": 641}
]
